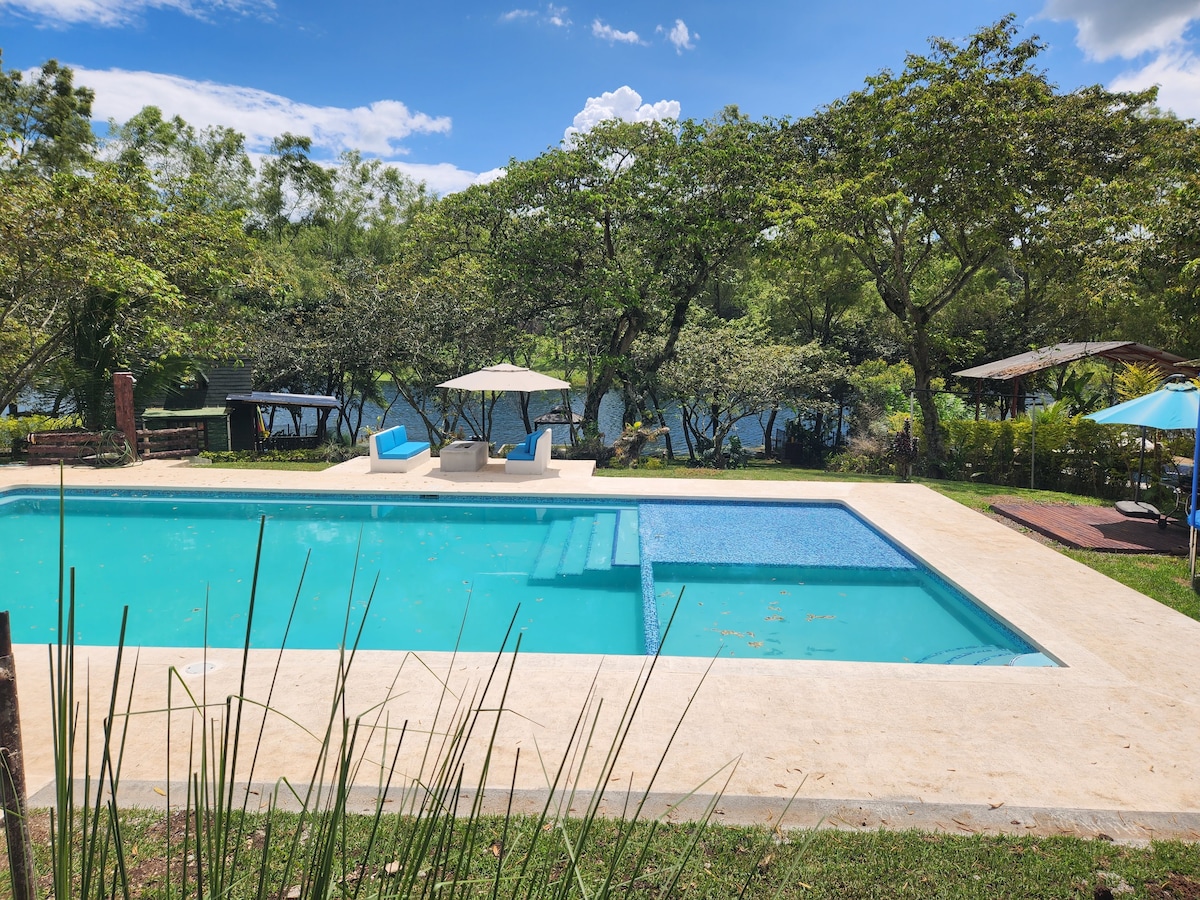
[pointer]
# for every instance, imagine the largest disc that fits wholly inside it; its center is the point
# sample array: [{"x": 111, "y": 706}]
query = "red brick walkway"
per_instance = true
[{"x": 1096, "y": 528}]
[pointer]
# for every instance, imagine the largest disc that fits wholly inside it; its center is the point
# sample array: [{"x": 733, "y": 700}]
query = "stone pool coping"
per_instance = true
[{"x": 1104, "y": 745}]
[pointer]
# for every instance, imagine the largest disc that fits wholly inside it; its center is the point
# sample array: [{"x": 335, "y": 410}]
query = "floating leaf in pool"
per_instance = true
[
  {"x": 812, "y": 616},
  {"x": 755, "y": 644},
  {"x": 773, "y": 619}
]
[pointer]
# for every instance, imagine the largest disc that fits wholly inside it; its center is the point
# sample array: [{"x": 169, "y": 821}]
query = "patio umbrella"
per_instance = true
[
  {"x": 1173, "y": 407},
  {"x": 504, "y": 377}
]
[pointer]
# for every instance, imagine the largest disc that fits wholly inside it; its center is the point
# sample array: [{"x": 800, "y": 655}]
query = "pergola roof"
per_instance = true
[
  {"x": 1057, "y": 355},
  {"x": 270, "y": 398}
]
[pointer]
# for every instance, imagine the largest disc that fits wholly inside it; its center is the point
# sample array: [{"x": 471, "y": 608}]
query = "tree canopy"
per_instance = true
[{"x": 958, "y": 210}]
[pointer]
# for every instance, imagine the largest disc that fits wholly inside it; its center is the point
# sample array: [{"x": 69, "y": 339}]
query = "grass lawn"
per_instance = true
[{"x": 726, "y": 862}]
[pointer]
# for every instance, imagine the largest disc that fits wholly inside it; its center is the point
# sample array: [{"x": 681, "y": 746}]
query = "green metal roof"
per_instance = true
[{"x": 204, "y": 412}]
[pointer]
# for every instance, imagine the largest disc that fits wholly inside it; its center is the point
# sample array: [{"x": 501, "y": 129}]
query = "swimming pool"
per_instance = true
[{"x": 751, "y": 579}]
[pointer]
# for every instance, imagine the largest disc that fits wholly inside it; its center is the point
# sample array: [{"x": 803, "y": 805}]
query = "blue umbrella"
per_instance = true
[{"x": 1174, "y": 406}]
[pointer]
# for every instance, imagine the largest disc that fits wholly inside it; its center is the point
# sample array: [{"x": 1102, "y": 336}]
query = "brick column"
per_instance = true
[{"x": 123, "y": 383}]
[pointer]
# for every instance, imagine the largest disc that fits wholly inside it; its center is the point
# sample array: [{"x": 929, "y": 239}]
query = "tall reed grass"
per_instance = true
[{"x": 305, "y": 840}]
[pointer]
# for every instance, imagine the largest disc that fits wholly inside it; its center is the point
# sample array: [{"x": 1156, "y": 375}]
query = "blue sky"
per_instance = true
[{"x": 449, "y": 92}]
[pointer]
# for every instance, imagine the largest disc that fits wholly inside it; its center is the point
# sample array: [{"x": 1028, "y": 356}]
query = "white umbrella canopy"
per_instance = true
[
  {"x": 506, "y": 377},
  {"x": 498, "y": 379}
]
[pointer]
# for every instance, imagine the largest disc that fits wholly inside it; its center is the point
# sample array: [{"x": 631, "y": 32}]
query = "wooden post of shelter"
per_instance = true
[
  {"x": 12, "y": 774},
  {"x": 123, "y": 383}
]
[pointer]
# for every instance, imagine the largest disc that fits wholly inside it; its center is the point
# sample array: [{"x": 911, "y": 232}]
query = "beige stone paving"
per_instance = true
[{"x": 1108, "y": 743}]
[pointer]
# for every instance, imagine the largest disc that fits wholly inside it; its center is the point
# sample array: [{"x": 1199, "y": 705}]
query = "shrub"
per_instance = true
[{"x": 15, "y": 429}]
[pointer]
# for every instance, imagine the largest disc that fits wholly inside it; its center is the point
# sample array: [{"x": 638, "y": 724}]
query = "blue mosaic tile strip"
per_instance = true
[
  {"x": 769, "y": 534},
  {"x": 650, "y": 608}
]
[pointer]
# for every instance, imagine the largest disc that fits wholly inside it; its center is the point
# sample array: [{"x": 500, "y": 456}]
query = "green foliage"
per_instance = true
[
  {"x": 45, "y": 121},
  {"x": 1136, "y": 380},
  {"x": 1073, "y": 454},
  {"x": 332, "y": 451}
]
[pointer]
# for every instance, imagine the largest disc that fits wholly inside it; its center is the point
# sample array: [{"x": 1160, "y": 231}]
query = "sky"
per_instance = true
[{"x": 449, "y": 92}]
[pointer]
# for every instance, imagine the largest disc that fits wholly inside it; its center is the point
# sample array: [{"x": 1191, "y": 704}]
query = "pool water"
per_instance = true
[{"x": 789, "y": 581}]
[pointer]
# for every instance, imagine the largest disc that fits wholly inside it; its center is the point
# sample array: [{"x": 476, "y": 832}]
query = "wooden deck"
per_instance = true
[{"x": 1096, "y": 528}]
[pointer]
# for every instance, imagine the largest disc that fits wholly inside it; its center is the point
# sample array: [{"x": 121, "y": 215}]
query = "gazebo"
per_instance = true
[{"x": 1014, "y": 368}]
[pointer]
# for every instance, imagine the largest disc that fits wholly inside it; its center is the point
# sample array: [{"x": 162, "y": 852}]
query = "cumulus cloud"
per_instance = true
[
  {"x": 625, "y": 104},
  {"x": 1177, "y": 75},
  {"x": 376, "y": 129},
  {"x": 679, "y": 35},
  {"x": 1109, "y": 28},
  {"x": 1155, "y": 29},
  {"x": 610, "y": 34},
  {"x": 114, "y": 13}
]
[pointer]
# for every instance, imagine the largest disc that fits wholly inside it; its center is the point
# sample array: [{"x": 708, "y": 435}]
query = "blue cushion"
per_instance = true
[
  {"x": 394, "y": 444},
  {"x": 526, "y": 449}
]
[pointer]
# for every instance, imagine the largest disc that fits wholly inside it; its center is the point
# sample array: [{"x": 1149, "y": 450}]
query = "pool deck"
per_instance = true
[{"x": 1108, "y": 744}]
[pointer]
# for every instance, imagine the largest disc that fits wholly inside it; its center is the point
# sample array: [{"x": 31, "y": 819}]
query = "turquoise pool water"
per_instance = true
[{"x": 789, "y": 581}]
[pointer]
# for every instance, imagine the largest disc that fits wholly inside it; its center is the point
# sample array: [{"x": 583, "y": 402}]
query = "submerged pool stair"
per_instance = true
[
  {"x": 986, "y": 655},
  {"x": 588, "y": 543}
]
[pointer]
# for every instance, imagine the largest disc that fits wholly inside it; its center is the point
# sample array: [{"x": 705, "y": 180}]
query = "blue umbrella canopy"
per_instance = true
[{"x": 1174, "y": 406}]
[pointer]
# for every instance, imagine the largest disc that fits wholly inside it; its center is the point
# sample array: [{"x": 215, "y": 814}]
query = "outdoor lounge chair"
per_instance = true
[
  {"x": 531, "y": 456},
  {"x": 392, "y": 451}
]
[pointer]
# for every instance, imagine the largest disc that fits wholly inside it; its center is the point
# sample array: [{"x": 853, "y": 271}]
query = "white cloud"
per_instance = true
[
  {"x": 554, "y": 15},
  {"x": 679, "y": 35},
  {"x": 376, "y": 129},
  {"x": 444, "y": 178},
  {"x": 624, "y": 103},
  {"x": 1177, "y": 74},
  {"x": 608, "y": 33},
  {"x": 1109, "y": 28},
  {"x": 113, "y": 13}
]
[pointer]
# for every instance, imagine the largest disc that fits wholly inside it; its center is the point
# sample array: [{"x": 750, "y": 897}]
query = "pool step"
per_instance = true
[
  {"x": 594, "y": 543},
  {"x": 551, "y": 555},
  {"x": 575, "y": 554},
  {"x": 983, "y": 655},
  {"x": 600, "y": 548},
  {"x": 627, "y": 551}
]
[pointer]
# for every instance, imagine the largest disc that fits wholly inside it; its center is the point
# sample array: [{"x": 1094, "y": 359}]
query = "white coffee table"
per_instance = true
[{"x": 464, "y": 456}]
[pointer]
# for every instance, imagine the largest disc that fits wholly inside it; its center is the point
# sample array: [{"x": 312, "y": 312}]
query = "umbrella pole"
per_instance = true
[
  {"x": 1191, "y": 513},
  {"x": 1137, "y": 486}
]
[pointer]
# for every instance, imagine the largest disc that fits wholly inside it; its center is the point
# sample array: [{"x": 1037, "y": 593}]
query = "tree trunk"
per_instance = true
[{"x": 932, "y": 448}]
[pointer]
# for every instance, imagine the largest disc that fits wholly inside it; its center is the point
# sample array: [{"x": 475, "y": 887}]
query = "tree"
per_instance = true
[
  {"x": 723, "y": 372},
  {"x": 615, "y": 235},
  {"x": 45, "y": 122},
  {"x": 930, "y": 176}
]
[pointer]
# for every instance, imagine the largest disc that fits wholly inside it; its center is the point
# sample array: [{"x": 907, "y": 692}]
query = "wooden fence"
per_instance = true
[{"x": 111, "y": 448}]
